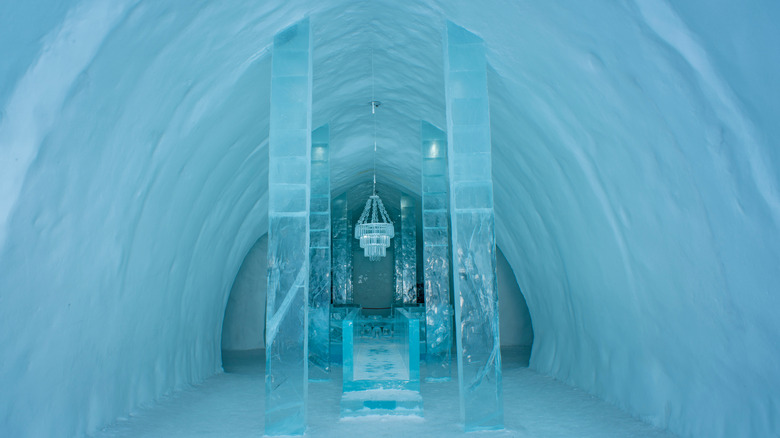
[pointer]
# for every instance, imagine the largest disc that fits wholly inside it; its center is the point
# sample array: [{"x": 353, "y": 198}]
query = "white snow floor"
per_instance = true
[{"x": 231, "y": 405}]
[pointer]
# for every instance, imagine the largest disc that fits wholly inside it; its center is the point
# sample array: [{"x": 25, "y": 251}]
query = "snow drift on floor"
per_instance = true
[{"x": 232, "y": 404}]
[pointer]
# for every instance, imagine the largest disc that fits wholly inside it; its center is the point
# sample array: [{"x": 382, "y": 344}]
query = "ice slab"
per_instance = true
[
  {"x": 473, "y": 234},
  {"x": 381, "y": 365},
  {"x": 342, "y": 251},
  {"x": 286, "y": 372},
  {"x": 436, "y": 255},
  {"x": 408, "y": 250},
  {"x": 319, "y": 256}
]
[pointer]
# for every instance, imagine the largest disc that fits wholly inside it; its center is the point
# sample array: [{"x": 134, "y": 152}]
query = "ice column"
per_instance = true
[
  {"x": 342, "y": 252},
  {"x": 398, "y": 266},
  {"x": 286, "y": 341},
  {"x": 408, "y": 250},
  {"x": 319, "y": 256},
  {"x": 473, "y": 235},
  {"x": 436, "y": 255}
]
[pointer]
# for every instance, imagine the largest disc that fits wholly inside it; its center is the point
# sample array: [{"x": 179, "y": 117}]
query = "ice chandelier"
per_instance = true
[{"x": 374, "y": 229}]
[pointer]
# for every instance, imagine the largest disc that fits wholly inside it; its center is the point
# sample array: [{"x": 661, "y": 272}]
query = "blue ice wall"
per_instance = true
[{"x": 635, "y": 183}]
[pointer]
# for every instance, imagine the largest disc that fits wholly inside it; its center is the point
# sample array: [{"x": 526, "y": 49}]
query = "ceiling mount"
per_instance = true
[{"x": 374, "y": 229}]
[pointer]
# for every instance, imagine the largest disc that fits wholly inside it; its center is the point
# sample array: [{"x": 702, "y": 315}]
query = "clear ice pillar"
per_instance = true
[
  {"x": 436, "y": 254},
  {"x": 408, "y": 250},
  {"x": 289, "y": 163},
  {"x": 319, "y": 256},
  {"x": 342, "y": 251},
  {"x": 473, "y": 235},
  {"x": 398, "y": 267}
]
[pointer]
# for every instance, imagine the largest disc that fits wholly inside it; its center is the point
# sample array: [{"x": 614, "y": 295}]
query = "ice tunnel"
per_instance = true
[{"x": 635, "y": 181}]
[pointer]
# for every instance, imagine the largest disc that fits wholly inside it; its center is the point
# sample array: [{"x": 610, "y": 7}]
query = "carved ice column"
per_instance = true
[
  {"x": 473, "y": 235},
  {"x": 436, "y": 254},
  {"x": 408, "y": 250},
  {"x": 319, "y": 256},
  {"x": 286, "y": 342},
  {"x": 342, "y": 252},
  {"x": 398, "y": 267}
]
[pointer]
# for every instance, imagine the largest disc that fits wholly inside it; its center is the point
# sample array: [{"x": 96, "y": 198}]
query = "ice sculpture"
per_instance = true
[
  {"x": 436, "y": 254},
  {"x": 319, "y": 256},
  {"x": 473, "y": 234},
  {"x": 286, "y": 369},
  {"x": 381, "y": 371},
  {"x": 342, "y": 251},
  {"x": 408, "y": 250}
]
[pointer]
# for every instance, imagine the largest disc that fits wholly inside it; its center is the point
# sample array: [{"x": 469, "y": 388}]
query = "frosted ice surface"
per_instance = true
[
  {"x": 436, "y": 255},
  {"x": 473, "y": 235},
  {"x": 286, "y": 377},
  {"x": 319, "y": 261}
]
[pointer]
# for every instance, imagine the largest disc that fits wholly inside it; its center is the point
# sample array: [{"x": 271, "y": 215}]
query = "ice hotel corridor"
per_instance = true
[{"x": 374, "y": 218}]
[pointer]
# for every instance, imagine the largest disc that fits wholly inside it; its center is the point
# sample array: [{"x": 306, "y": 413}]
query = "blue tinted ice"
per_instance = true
[
  {"x": 342, "y": 251},
  {"x": 473, "y": 234},
  {"x": 319, "y": 256},
  {"x": 381, "y": 372},
  {"x": 286, "y": 382},
  {"x": 408, "y": 250},
  {"x": 398, "y": 267},
  {"x": 436, "y": 255}
]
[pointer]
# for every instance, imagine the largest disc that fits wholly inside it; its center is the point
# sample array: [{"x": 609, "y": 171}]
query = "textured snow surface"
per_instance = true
[
  {"x": 635, "y": 165},
  {"x": 231, "y": 405}
]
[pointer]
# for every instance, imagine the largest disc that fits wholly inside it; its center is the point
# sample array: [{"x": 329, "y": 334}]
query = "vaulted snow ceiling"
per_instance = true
[{"x": 635, "y": 175}]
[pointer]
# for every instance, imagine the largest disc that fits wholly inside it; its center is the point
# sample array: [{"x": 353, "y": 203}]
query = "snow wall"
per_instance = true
[{"x": 635, "y": 167}]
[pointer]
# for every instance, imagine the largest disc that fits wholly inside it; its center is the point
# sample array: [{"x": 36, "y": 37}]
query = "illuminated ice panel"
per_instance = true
[
  {"x": 473, "y": 234},
  {"x": 286, "y": 372},
  {"x": 319, "y": 256},
  {"x": 436, "y": 255}
]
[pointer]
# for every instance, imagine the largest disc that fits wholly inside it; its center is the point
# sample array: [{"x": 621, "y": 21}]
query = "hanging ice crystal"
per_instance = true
[
  {"x": 473, "y": 235},
  {"x": 374, "y": 229},
  {"x": 286, "y": 370}
]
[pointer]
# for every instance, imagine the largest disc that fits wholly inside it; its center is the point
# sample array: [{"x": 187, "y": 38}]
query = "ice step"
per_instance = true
[{"x": 381, "y": 402}]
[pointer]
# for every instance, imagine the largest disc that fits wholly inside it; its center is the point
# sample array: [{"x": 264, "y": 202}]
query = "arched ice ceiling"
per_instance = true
[{"x": 635, "y": 178}]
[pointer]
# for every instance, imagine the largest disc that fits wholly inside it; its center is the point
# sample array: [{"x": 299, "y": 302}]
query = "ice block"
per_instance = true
[
  {"x": 408, "y": 250},
  {"x": 436, "y": 255},
  {"x": 319, "y": 256},
  {"x": 342, "y": 251},
  {"x": 473, "y": 234},
  {"x": 286, "y": 342}
]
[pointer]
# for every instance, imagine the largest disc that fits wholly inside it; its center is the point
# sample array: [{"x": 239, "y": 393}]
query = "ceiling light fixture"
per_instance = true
[{"x": 374, "y": 229}]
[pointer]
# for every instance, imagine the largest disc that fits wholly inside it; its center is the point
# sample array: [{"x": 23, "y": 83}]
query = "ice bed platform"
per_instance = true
[{"x": 381, "y": 365}]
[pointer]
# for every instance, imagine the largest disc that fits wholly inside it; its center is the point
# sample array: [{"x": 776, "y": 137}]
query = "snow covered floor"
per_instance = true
[{"x": 231, "y": 405}]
